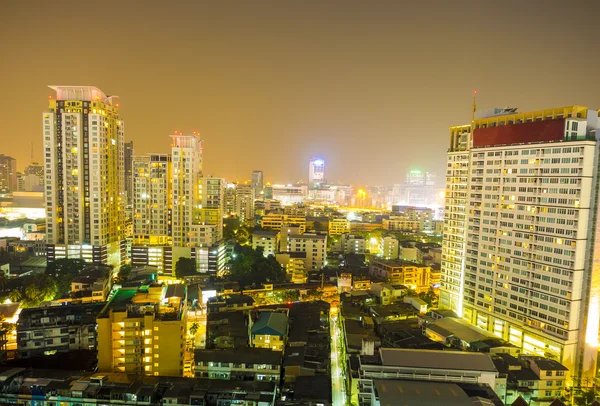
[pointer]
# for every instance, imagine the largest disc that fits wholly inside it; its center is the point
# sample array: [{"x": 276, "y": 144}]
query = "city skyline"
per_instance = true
[{"x": 308, "y": 81}]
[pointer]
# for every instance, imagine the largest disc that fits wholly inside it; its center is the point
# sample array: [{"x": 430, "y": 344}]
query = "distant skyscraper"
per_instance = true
[
  {"x": 229, "y": 206},
  {"x": 316, "y": 172},
  {"x": 85, "y": 181},
  {"x": 32, "y": 178},
  {"x": 244, "y": 200},
  {"x": 257, "y": 184},
  {"x": 521, "y": 248},
  {"x": 128, "y": 171},
  {"x": 187, "y": 170},
  {"x": 152, "y": 200},
  {"x": 8, "y": 173}
]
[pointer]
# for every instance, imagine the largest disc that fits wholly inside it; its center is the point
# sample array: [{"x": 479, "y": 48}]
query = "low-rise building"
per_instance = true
[
  {"x": 315, "y": 247},
  {"x": 423, "y": 365},
  {"x": 270, "y": 331},
  {"x": 400, "y": 223},
  {"x": 229, "y": 303},
  {"x": 387, "y": 293},
  {"x": 245, "y": 364},
  {"x": 418, "y": 277},
  {"x": 266, "y": 239},
  {"x": 294, "y": 265},
  {"x": 339, "y": 226},
  {"x": 276, "y": 221},
  {"x": 48, "y": 330},
  {"x": 60, "y": 387},
  {"x": 389, "y": 248},
  {"x": 353, "y": 244},
  {"x": 537, "y": 380}
]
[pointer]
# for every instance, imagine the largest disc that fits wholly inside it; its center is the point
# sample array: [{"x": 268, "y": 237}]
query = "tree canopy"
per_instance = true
[
  {"x": 250, "y": 267},
  {"x": 185, "y": 267},
  {"x": 63, "y": 271}
]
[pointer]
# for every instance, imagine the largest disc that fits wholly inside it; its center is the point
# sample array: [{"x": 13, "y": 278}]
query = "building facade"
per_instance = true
[
  {"x": 48, "y": 330},
  {"x": 128, "y": 159},
  {"x": 8, "y": 173},
  {"x": 83, "y": 137},
  {"x": 316, "y": 172},
  {"x": 519, "y": 247},
  {"x": 244, "y": 202},
  {"x": 258, "y": 184},
  {"x": 143, "y": 331}
]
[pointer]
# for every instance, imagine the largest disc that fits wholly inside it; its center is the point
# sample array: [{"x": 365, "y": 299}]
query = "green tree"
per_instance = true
[
  {"x": 291, "y": 295},
  {"x": 429, "y": 297},
  {"x": 586, "y": 397},
  {"x": 230, "y": 227},
  {"x": 63, "y": 271},
  {"x": 15, "y": 296},
  {"x": 194, "y": 329},
  {"x": 3, "y": 282},
  {"x": 124, "y": 273},
  {"x": 251, "y": 267},
  {"x": 185, "y": 267}
]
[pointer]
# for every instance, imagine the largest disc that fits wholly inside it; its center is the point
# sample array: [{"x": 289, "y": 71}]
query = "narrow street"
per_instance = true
[{"x": 338, "y": 388}]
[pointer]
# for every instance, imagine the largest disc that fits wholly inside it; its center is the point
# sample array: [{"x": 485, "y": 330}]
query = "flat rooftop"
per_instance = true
[
  {"x": 417, "y": 393},
  {"x": 432, "y": 359}
]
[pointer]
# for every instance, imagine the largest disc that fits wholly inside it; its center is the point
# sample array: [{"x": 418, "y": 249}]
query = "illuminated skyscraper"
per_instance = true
[
  {"x": 316, "y": 172},
  {"x": 8, "y": 173},
  {"x": 128, "y": 159},
  {"x": 85, "y": 187},
  {"x": 186, "y": 154},
  {"x": 257, "y": 183},
  {"x": 521, "y": 248},
  {"x": 152, "y": 199},
  {"x": 244, "y": 203}
]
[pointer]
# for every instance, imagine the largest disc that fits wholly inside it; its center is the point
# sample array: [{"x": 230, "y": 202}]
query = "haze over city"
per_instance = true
[{"x": 370, "y": 87}]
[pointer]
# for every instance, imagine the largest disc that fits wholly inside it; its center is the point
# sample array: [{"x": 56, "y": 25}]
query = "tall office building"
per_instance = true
[
  {"x": 521, "y": 248},
  {"x": 85, "y": 187},
  {"x": 244, "y": 202},
  {"x": 128, "y": 158},
  {"x": 257, "y": 184},
  {"x": 316, "y": 172},
  {"x": 186, "y": 152},
  {"x": 8, "y": 172}
]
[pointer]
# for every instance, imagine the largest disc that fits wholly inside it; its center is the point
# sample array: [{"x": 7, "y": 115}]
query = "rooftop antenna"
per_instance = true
[{"x": 474, "y": 109}]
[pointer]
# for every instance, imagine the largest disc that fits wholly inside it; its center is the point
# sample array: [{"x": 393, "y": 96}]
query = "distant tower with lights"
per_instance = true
[
  {"x": 316, "y": 172},
  {"x": 83, "y": 136},
  {"x": 257, "y": 184}
]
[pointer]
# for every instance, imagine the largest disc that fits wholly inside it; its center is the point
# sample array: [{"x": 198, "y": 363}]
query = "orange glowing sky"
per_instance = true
[{"x": 369, "y": 86}]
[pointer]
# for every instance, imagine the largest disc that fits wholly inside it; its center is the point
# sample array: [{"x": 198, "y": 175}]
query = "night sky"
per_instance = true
[{"x": 370, "y": 86}]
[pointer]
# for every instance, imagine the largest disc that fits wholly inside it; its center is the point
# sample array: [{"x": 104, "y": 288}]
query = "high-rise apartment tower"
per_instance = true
[
  {"x": 521, "y": 248},
  {"x": 85, "y": 187}
]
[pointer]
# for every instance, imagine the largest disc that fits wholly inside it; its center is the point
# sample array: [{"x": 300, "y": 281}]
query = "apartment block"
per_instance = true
[
  {"x": 389, "y": 248},
  {"x": 418, "y": 277},
  {"x": 339, "y": 226},
  {"x": 48, "y": 330},
  {"x": 275, "y": 221},
  {"x": 267, "y": 240},
  {"x": 142, "y": 331},
  {"x": 519, "y": 231},
  {"x": 83, "y": 136},
  {"x": 243, "y": 364},
  {"x": 314, "y": 245},
  {"x": 244, "y": 202}
]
